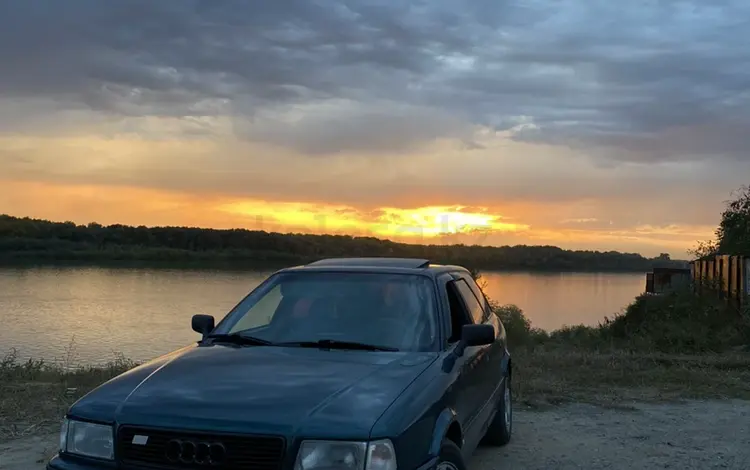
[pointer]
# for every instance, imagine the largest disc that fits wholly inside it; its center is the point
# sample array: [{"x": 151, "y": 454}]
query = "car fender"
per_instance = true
[{"x": 444, "y": 421}]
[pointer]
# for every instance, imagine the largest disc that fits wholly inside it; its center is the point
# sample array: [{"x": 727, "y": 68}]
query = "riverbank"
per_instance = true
[
  {"x": 665, "y": 348},
  {"x": 34, "y": 395}
]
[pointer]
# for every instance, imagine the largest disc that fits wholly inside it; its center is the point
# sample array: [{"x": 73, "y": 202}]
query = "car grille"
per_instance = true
[{"x": 163, "y": 449}]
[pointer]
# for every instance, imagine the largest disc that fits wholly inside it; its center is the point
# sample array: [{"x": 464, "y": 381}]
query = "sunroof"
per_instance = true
[{"x": 413, "y": 263}]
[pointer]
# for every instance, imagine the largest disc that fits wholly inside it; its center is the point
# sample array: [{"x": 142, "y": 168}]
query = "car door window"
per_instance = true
[
  {"x": 470, "y": 300},
  {"x": 459, "y": 316}
]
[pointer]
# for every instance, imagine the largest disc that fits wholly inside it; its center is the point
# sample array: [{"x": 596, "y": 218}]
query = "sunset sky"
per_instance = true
[{"x": 583, "y": 124}]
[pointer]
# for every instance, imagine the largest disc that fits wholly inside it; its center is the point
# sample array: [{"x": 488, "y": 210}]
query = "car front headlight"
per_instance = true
[
  {"x": 344, "y": 455},
  {"x": 86, "y": 439}
]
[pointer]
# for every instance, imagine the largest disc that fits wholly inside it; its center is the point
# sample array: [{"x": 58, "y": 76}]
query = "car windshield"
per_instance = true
[{"x": 386, "y": 310}]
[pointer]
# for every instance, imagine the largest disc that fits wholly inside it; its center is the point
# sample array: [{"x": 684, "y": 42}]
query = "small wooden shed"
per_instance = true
[{"x": 667, "y": 279}]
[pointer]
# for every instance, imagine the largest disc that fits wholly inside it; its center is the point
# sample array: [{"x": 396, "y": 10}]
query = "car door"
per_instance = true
[
  {"x": 462, "y": 391},
  {"x": 496, "y": 359},
  {"x": 480, "y": 365},
  {"x": 498, "y": 349}
]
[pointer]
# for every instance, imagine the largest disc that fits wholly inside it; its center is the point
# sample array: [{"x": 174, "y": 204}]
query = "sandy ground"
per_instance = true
[{"x": 691, "y": 435}]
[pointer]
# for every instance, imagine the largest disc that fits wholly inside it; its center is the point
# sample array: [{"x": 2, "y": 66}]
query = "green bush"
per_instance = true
[
  {"x": 518, "y": 328},
  {"x": 680, "y": 321},
  {"x": 677, "y": 322}
]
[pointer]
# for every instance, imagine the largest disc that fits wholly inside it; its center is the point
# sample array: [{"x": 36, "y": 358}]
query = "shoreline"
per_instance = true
[{"x": 91, "y": 349}]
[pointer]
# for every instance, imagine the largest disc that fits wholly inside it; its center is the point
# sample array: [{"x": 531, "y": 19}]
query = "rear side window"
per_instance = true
[
  {"x": 478, "y": 292},
  {"x": 472, "y": 303}
]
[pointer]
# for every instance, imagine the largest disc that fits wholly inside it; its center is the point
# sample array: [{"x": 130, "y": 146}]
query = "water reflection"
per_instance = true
[
  {"x": 85, "y": 314},
  {"x": 552, "y": 300}
]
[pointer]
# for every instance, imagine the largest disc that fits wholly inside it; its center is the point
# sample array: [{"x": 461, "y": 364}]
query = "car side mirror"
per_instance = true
[
  {"x": 478, "y": 335},
  {"x": 203, "y": 324}
]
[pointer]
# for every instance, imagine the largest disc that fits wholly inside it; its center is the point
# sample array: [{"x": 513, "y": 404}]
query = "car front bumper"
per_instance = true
[{"x": 58, "y": 463}]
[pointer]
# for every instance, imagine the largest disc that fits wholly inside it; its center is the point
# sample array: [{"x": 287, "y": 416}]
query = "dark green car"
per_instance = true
[{"x": 351, "y": 364}]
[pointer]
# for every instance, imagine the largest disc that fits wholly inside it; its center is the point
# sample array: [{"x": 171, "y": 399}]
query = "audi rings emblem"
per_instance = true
[{"x": 196, "y": 452}]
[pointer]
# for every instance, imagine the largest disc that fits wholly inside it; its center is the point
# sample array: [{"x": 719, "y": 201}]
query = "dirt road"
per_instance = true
[{"x": 692, "y": 435}]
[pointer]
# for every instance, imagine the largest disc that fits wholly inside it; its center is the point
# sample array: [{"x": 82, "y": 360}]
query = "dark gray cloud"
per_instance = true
[
  {"x": 641, "y": 81},
  {"x": 380, "y": 129}
]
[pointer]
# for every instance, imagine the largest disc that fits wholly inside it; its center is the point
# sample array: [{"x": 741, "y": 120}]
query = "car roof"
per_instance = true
[{"x": 378, "y": 265}]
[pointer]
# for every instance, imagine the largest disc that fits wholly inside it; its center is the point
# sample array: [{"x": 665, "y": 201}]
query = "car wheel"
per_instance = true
[
  {"x": 450, "y": 457},
  {"x": 498, "y": 434}
]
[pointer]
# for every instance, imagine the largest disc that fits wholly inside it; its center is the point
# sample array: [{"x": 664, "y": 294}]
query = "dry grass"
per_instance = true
[
  {"x": 662, "y": 347},
  {"x": 554, "y": 375},
  {"x": 34, "y": 395}
]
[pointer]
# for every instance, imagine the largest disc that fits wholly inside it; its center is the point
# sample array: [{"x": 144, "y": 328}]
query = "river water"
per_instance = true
[{"x": 86, "y": 315}]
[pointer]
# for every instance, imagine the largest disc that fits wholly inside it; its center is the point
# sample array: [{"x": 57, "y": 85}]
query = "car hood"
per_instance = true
[{"x": 260, "y": 389}]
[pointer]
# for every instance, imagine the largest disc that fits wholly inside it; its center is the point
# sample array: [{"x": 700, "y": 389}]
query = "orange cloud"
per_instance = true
[{"x": 430, "y": 221}]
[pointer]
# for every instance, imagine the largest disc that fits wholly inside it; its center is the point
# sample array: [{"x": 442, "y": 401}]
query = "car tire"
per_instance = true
[
  {"x": 450, "y": 457},
  {"x": 501, "y": 428}
]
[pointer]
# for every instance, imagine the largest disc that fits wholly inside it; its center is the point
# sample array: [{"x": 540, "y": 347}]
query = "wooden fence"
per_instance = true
[{"x": 727, "y": 275}]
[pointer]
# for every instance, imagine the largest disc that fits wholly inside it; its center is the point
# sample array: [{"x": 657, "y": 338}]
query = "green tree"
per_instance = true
[
  {"x": 733, "y": 234},
  {"x": 704, "y": 249},
  {"x": 42, "y": 240}
]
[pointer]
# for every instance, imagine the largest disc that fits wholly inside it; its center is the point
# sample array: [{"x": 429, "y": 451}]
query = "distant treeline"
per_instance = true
[{"x": 31, "y": 240}]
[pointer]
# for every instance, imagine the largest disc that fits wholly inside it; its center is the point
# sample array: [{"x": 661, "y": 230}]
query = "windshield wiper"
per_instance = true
[
  {"x": 236, "y": 338},
  {"x": 336, "y": 344}
]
